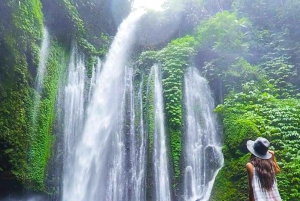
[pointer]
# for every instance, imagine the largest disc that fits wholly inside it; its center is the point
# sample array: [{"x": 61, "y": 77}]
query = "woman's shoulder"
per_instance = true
[{"x": 249, "y": 166}]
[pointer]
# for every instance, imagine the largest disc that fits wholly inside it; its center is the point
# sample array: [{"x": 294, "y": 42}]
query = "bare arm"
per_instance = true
[{"x": 249, "y": 168}]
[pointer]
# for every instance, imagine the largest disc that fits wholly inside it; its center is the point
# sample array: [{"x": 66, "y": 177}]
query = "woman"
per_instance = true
[{"x": 261, "y": 170}]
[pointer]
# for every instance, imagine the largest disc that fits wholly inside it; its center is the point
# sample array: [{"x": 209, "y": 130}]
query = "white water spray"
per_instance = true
[
  {"x": 41, "y": 73},
  {"x": 136, "y": 150},
  {"x": 99, "y": 168},
  {"x": 95, "y": 74},
  {"x": 202, "y": 146},
  {"x": 162, "y": 184},
  {"x": 73, "y": 109},
  {"x": 43, "y": 59}
]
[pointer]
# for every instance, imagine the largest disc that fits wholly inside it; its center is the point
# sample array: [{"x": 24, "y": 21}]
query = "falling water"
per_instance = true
[
  {"x": 140, "y": 175},
  {"x": 95, "y": 74},
  {"x": 202, "y": 147},
  {"x": 137, "y": 142},
  {"x": 43, "y": 59},
  {"x": 99, "y": 167},
  {"x": 73, "y": 108},
  {"x": 41, "y": 72},
  {"x": 160, "y": 159}
]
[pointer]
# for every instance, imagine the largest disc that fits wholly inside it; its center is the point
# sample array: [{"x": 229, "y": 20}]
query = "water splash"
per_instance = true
[
  {"x": 136, "y": 149},
  {"x": 42, "y": 68},
  {"x": 162, "y": 186},
  {"x": 73, "y": 109},
  {"x": 99, "y": 167},
  {"x": 43, "y": 59},
  {"x": 95, "y": 74},
  {"x": 140, "y": 177},
  {"x": 202, "y": 145}
]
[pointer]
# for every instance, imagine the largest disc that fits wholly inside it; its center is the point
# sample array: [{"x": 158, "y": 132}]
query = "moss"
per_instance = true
[
  {"x": 175, "y": 58},
  {"x": 19, "y": 53},
  {"x": 149, "y": 112},
  {"x": 247, "y": 115},
  {"x": 231, "y": 183},
  {"x": 41, "y": 136}
]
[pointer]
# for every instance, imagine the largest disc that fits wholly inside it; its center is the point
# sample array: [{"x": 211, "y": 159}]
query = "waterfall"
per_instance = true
[
  {"x": 43, "y": 59},
  {"x": 139, "y": 178},
  {"x": 202, "y": 145},
  {"x": 136, "y": 142},
  {"x": 73, "y": 109},
  {"x": 160, "y": 159},
  {"x": 40, "y": 73},
  {"x": 99, "y": 169},
  {"x": 95, "y": 74}
]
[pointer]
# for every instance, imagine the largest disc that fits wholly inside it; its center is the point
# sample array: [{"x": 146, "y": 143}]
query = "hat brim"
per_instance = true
[{"x": 250, "y": 143}]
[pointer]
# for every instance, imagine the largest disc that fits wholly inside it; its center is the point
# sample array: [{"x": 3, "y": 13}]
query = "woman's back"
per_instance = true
[
  {"x": 262, "y": 169},
  {"x": 261, "y": 194}
]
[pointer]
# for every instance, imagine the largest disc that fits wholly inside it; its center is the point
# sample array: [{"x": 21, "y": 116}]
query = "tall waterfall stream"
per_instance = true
[
  {"x": 202, "y": 146},
  {"x": 99, "y": 170},
  {"x": 105, "y": 143}
]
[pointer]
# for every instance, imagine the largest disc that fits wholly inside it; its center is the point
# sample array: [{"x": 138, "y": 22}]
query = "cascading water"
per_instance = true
[
  {"x": 95, "y": 74},
  {"x": 139, "y": 177},
  {"x": 162, "y": 184},
  {"x": 202, "y": 145},
  {"x": 43, "y": 59},
  {"x": 41, "y": 72},
  {"x": 99, "y": 169},
  {"x": 136, "y": 149},
  {"x": 73, "y": 109}
]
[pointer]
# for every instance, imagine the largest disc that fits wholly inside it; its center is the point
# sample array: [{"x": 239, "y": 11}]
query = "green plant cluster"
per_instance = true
[
  {"x": 85, "y": 40},
  {"x": 252, "y": 113},
  {"x": 174, "y": 59},
  {"x": 20, "y": 39},
  {"x": 41, "y": 137},
  {"x": 73, "y": 15},
  {"x": 149, "y": 113}
]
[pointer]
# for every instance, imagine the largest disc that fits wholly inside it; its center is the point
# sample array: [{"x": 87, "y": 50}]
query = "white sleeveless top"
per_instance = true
[{"x": 260, "y": 195}]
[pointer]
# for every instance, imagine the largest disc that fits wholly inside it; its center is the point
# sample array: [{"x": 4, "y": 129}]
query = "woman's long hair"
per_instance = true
[{"x": 265, "y": 171}]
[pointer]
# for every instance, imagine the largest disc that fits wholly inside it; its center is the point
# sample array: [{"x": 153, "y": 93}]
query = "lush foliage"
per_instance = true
[
  {"x": 175, "y": 58},
  {"x": 20, "y": 38},
  {"x": 41, "y": 137},
  {"x": 261, "y": 85},
  {"x": 252, "y": 113}
]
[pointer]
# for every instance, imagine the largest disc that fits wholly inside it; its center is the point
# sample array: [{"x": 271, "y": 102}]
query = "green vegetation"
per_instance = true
[
  {"x": 261, "y": 93},
  {"x": 19, "y": 57},
  {"x": 41, "y": 138},
  {"x": 175, "y": 58},
  {"x": 247, "y": 115}
]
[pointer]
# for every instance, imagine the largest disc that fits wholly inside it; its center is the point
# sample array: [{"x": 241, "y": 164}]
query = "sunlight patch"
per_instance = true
[{"x": 156, "y": 5}]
